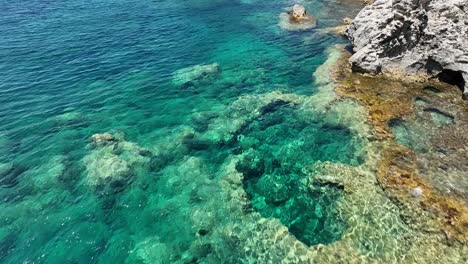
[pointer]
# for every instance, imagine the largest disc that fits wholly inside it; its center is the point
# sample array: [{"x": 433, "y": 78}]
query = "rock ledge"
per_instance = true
[{"x": 413, "y": 37}]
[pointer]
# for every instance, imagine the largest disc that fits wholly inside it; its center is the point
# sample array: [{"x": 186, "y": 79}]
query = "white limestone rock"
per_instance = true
[
  {"x": 297, "y": 18},
  {"x": 298, "y": 12},
  {"x": 413, "y": 37}
]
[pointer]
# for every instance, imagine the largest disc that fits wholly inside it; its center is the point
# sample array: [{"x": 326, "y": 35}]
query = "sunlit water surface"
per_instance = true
[{"x": 70, "y": 69}]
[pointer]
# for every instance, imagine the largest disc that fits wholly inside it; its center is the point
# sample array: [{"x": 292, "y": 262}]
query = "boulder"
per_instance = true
[
  {"x": 339, "y": 30},
  {"x": 347, "y": 21},
  {"x": 298, "y": 13},
  {"x": 412, "y": 37},
  {"x": 102, "y": 139},
  {"x": 297, "y": 18}
]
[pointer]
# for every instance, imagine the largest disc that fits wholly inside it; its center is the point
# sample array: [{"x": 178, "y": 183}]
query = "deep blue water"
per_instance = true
[{"x": 70, "y": 69}]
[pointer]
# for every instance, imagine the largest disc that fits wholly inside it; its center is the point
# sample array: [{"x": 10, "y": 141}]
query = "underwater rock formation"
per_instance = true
[
  {"x": 102, "y": 139},
  {"x": 10, "y": 174},
  {"x": 339, "y": 30},
  {"x": 191, "y": 74},
  {"x": 68, "y": 118},
  {"x": 112, "y": 163},
  {"x": 237, "y": 212},
  {"x": 297, "y": 19},
  {"x": 413, "y": 37}
]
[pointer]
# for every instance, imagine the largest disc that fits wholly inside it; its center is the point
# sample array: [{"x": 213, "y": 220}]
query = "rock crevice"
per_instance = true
[{"x": 413, "y": 37}]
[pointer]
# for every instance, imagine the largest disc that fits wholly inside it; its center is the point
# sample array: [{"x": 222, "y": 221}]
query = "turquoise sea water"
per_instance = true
[{"x": 71, "y": 69}]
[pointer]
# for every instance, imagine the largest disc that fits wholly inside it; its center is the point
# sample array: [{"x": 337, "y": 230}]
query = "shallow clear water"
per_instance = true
[{"x": 71, "y": 69}]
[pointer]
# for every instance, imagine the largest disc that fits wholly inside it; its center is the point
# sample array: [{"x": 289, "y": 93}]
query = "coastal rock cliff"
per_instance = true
[{"x": 413, "y": 37}]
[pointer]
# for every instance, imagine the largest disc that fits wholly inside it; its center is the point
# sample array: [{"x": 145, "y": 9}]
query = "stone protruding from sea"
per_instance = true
[
  {"x": 298, "y": 13},
  {"x": 297, "y": 18}
]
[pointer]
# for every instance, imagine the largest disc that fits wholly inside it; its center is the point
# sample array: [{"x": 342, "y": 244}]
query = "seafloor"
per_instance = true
[{"x": 205, "y": 131}]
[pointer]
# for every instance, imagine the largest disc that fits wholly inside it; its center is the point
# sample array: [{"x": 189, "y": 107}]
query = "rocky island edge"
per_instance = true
[{"x": 423, "y": 38}]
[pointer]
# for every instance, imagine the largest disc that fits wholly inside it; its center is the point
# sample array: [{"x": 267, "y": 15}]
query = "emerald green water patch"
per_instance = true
[
  {"x": 431, "y": 90},
  {"x": 440, "y": 118},
  {"x": 408, "y": 134},
  {"x": 280, "y": 144},
  {"x": 172, "y": 83}
]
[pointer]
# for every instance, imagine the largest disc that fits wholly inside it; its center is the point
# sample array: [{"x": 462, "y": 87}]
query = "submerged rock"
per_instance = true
[
  {"x": 417, "y": 192},
  {"x": 150, "y": 250},
  {"x": 195, "y": 73},
  {"x": 275, "y": 188},
  {"x": 347, "y": 20},
  {"x": 339, "y": 30},
  {"x": 10, "y": 174},
  {"x": 68, "y": 118},
  {"x": 297, "y": 19},
  {"x": 415, "y": 37},
  {"x": 102, "y": 139},
  {"x": 111, "y": 165},
  {"x": 104, "y": 165}
]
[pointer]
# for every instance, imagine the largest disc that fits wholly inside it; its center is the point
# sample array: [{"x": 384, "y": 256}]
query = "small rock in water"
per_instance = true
[
  {"x": 297, "y": 19},
  {"x": 347, "y": 21},
  {"x": 191, "y": 74},
  {"x": 339, "y": 30},
  {"x": 102, "y": 139},
  {"x": 298, "y": 12},
  {"x": 417, "y": 192}
]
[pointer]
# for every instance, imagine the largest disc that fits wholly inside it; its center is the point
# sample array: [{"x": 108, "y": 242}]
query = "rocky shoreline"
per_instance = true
[
  {"x": 412, "y": 38},
  {"x": 409, "y": 60},
  {"x": 420, "y": 163}
]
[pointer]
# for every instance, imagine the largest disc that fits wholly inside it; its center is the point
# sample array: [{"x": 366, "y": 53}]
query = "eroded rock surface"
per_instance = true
[
  {"x": 414, "y": 37},
  {"x": 297, "y": 18},
  {"x": 298, "y": 12},
  {"x": 112, "y": 162}
]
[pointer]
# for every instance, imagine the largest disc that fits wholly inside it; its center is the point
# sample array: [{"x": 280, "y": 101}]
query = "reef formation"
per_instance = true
[{"x": 271, "y": 203}]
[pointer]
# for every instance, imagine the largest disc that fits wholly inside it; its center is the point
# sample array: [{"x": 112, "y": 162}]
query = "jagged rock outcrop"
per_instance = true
[
  {"x": 298, "y": 13},
  {"x": 297, "y": 18},
  {"x": 414, "y": 37}
]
